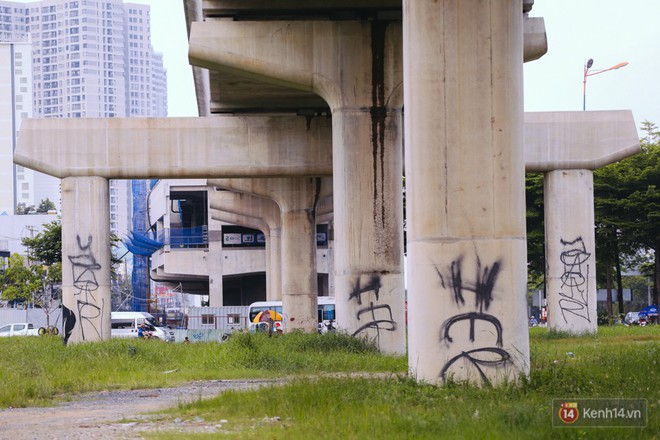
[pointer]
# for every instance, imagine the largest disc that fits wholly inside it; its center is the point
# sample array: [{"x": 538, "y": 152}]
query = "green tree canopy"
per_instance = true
[
  {"x": 20, "y": 281},
  {"x": 45, "y": 206},
  {"x": 627, "y": 205},
  {"x": 535, "y": 231},
  {"x": 46, "y": 246}
]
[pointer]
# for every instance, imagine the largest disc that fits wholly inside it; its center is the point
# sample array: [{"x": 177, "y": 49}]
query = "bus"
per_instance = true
[
  {"x": 126, "y": 324},
  {"x": 326, "y": 311}
]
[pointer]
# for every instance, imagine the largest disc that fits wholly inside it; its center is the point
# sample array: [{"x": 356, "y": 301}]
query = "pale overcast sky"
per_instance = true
[{"x": 609, "y": 31}]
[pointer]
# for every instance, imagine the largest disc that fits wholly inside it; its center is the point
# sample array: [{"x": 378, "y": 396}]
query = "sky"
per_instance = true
[{"x": 608, "y": 31}]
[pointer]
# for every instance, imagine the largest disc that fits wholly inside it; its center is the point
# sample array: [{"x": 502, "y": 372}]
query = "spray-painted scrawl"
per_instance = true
[
  {"x": 84, "y": 268},
  {"x": 376, "y": 316},
  {"x": 482, "y": 287},
  {"x": 575, "y": 279}
]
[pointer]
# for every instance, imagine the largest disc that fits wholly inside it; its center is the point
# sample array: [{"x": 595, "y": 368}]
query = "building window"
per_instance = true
[
  {"x": 208, "y": 319},
  {"x": 233, "y": 318}
]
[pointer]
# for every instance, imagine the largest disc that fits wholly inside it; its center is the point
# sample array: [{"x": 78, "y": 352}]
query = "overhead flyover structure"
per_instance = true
[
  {"x": 317, "y": 59},
  {"x": 567, "y": 147},
  {"x": 460, "y": 65},
  {"x": 346, "y": 60}
]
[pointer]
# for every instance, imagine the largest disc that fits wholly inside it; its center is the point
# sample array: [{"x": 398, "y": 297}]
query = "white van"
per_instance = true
[{"x": 125, "y": 325}]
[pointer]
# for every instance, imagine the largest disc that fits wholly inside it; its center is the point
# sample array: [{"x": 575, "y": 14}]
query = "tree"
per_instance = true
[
  {"x": 535, "y": 231},
  {"x": 19, "y": 280},
  {"x": 46, "y": 246},
  {"x": 627, "y": 206},
  {"x": 46, "y": 205},
  {"x": 23, "y": 209},
  {"x": 32, "y": 284}
]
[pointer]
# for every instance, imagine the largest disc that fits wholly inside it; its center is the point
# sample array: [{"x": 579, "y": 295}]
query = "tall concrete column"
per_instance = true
[
  {"x": 356, "y": 67},
  {"x": 260, "y": 213},
  {"x": 570, "y": 251},
  {"x": 85, "y": 259},
  {"x": 567, "y": 147},
  {"x": 299, "y": 284},
  {"x": 214, "y": 264},
  {"x": 465, "y": 190},
  {"x": 297, "y": 198},
  {"x": 368, "y": 222}
]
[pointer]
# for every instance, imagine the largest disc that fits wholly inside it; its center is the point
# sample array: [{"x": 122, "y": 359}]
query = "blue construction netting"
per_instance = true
[{"x": 140, "y": 278}]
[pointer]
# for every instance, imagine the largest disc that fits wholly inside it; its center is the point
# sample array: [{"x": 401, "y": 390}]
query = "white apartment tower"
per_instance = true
[
  {"x": 90, "y": 59},
  {"x": 16, "y": 182}
]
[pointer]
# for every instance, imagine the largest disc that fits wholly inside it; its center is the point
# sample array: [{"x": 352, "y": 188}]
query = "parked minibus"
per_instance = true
[{"x": 125, "y": 325}]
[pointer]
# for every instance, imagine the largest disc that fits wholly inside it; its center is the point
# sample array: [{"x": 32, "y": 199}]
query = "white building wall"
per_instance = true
[{"x": 17, "y": 184}]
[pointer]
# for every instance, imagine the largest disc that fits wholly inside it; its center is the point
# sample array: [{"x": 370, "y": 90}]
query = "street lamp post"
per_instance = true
[{"x": 587, "y": 72}]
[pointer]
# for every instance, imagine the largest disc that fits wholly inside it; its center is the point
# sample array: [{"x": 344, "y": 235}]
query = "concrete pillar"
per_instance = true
[
  {"x": 356, "y": 67},
  {"x": 260, "y": 213},
  {"x": 214, "y": 263},
  {"x": 465, "y": 168},
  {"x": 567, "y": 146},
  {"x": 570, "y": 251},
  {"x": 85, "y": 259},
  {"x": 368, "y": 225},
  {"x": 367, "y": 182},
  {"x": 297, "y": 198},
  {"x": 299, "y": 279}
]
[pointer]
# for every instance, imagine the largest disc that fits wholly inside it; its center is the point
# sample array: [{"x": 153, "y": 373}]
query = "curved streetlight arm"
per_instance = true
[
  {"x": 587, "y": 73},
  {"x": 596, "y": 72}
]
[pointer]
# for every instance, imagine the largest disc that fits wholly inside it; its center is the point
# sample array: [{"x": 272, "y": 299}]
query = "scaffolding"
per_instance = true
[{"x": 140, "y": 277}]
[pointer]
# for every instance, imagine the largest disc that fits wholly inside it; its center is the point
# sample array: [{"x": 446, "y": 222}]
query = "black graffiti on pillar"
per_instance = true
[
  {"x": 501, "y": 357},
  {"x": 84, "y": 267},
  {"x": 482, "y": 287},
  {"x": 376, "y": 322},
  {"x": 68, "y": 323},
  {"x": 574, "y": 291},
  {"x": 378, "y": 316},
  {"x": 372, "y": 285},
  {"x": 473, "y": 317}
]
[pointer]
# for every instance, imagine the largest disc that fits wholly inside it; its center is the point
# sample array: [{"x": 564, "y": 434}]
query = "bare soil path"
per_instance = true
[{"x": 114, "y": 414}]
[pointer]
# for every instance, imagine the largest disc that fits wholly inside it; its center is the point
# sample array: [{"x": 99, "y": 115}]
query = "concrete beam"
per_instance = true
[
  {"x": 535, "y": 40},
  {"x": 578, "y": 140},
  {"x": 141, "y": 148},
  {"x": 136, "y": 148}
]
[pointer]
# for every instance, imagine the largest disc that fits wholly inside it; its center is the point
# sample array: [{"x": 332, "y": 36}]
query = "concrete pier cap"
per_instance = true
[
  {"x": 142, "y": 148},
  {"x": 578, "y": 140},
  {"x": 567, "y": 147}
]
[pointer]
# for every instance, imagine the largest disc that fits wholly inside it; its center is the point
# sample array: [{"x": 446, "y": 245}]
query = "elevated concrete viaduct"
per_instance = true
[{"x": 461, "y": 78}]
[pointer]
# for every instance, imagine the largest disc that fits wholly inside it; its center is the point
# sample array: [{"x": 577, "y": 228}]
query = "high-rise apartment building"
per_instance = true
[
  {"x": 89, "y": 58},
  {"x": 16, "y": 183}
]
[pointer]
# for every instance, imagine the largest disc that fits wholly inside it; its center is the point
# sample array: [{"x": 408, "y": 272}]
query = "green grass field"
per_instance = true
[{"x": 619, "y": 362}]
